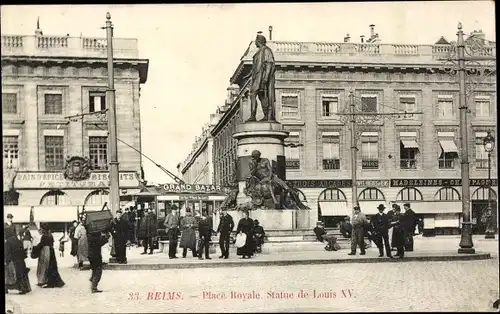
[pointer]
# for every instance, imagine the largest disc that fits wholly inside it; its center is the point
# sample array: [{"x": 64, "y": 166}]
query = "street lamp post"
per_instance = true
[
  {"x": 473, "y": 62},
  {"x": 489, "y": 145}
]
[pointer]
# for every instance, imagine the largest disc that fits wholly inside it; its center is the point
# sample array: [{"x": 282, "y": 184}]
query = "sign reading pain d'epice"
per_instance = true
[{"x": 51, "y": 180}]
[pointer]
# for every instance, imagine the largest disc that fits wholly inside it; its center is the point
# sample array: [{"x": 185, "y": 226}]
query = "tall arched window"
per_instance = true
[
  {"x": 483, "y": 194},
  {"x": 371, "y": 194},
  {"x": 447, "y": 194},
  {"x": 97, "y": 197},
  {"x": 409, "y": 194},
  {"x": 55, "y": 197}
]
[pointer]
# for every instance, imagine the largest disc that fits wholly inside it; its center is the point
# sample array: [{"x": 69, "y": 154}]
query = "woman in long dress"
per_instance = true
[
  {"x": 246, "y": 226},
  {"x": 47, "y": 272},
  {"x": 83, "y": 245},
  {"x": 74, "y": 241},
  {"x": 16, "y": 272}
]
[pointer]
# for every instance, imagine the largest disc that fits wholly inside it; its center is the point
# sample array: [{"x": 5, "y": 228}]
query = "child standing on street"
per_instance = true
[{"x": 62, "y": 241}]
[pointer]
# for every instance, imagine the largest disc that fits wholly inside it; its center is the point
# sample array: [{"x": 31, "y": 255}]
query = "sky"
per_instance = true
[{"x": 193, "y": 50}]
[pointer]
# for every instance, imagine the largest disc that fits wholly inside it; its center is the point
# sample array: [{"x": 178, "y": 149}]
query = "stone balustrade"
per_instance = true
[
  {"x": 61, "y": 46},
  {"x": 360, "y": 52}
]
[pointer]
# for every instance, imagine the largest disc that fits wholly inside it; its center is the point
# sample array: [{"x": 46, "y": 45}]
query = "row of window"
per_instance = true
[
  {"x": 408, "y": 151},
  {"x": 406, "y": 194},
  {"x": 330, "y": 105},
  {"x": 54, "y": 152},
  {"x": 53, "y": 103}
]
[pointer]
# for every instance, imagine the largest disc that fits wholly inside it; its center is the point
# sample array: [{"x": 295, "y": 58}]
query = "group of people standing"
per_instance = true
[
  {"x": 15, "y": 253},
  {"x": 377, "y": 230},
  {"x": 196, "y": 233}
]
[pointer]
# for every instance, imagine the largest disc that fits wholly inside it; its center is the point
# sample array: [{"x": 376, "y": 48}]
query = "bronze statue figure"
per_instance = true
[
  {"x": 267, "y": 189},
  {"x": 263, "y": 78}
]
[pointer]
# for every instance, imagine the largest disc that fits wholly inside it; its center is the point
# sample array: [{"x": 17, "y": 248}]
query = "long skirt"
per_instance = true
[
  {"x": 47, "y": 271},
  {"x": 22, "y": 282},
  {"x": 74, "y": 247},
  {"x": 248, "y": 248},
  {"x": 83, "y": 250}
]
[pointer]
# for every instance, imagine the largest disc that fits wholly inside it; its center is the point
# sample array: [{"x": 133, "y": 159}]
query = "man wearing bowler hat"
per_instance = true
[
  {"x": 381, "y": 225},
  {"x": 359, "y": 221}
]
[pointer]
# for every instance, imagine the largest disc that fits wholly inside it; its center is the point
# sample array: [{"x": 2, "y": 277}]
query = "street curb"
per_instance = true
[{"x": 257, "y": 263}]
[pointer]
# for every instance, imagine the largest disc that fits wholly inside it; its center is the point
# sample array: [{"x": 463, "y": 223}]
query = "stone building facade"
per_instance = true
[
  {"x": 45, "y": 80},
  {"x": 407, "y": 158}
]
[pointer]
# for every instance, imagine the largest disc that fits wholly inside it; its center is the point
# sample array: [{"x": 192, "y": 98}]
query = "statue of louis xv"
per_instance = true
[{"x": 263, "y": 79}]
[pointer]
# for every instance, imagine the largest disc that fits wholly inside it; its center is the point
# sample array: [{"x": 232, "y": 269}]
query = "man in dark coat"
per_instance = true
[
  {"x": 381, "y": 224},
  {"x": 398, "y": 232},
  {"x": 205, "y": 235},
  {"x": 346, "y": 227},
  {"x": 120, "y": 227},
  {"x": 259, "y": 235},
  {"x": 172, "y": 223},
  {"x": 410, "y": 222},
  {"x": 359, "y": 222},
  {"x": 95, "y": 241},
  {"x": 148, "y": 230},
  {"x": 319, "y": 231},
  {"x": 8, "y": 226},
  {"x": 226, "y": 226}
]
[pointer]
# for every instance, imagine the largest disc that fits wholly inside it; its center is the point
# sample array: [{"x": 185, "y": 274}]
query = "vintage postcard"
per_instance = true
[{"x": 267, "y": 157}]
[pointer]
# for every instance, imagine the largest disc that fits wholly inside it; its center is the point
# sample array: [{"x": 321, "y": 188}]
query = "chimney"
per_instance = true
[
  {"x": 270, "y": 33},
  {"x": 362, "y": 38},
  {"x": 372, "y": 30},
  {"x": 347, "y": 38}
]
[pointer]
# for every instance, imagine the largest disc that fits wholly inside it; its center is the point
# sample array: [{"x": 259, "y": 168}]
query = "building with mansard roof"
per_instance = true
[
  {"x": 410, "y": 158},
  {"x": 45, "y": 79}
]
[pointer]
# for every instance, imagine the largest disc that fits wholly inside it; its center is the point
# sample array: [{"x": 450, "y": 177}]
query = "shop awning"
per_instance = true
[
  {"x": 370, "y": 207},
  {"x": 448, "y": 146},
  {"x": 21, "y": 213},
  {"x": 55, "y": 213},
  {"x": 409, "y": 143},
  {"x": 447, "y": 222},
  {"x": 334, "y": 209},
  {"x": 437, "y": 207}
]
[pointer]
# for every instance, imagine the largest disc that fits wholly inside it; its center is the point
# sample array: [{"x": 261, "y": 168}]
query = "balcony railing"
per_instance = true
[
  {"x": 292, "y": 163},
  {"x": 319, "y": 51},
  {"x": 408, "y": 164},
  {"x": 446, "y": 164},
  {"x": 482, "y": 163},
  {"x": 61, "y": 46},
  {"x": 331, "y": 164}
]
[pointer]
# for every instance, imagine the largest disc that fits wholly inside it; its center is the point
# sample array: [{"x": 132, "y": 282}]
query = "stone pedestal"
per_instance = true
[
  {"x": 277, "y": 219},
  {"x": 266, "y": 137}
]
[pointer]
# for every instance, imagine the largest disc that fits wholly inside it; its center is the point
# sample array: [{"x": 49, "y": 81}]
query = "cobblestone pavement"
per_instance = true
[{"x": 411, "y": 286}]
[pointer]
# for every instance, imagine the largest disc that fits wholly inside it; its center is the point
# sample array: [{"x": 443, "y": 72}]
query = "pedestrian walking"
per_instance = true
[
  {"x": 47, "y": 270},
  {"x": 410, "y": 223},
  {"x": 381, "y": 224},
  {"x": 147, "y": 231},
  {"x": 205, "y": 235},
  {"x": 82, "y": 247},
  {"x": 226, "y": 226},
  {"x": 359, "y": 221},
  {"x": 188, "y": 236},
  {"x": 259, "y": 235},
  {"x": 96, "y": 241},
  {"x": 245, "y": 226},
  {"x": 172, "y": 228},
  {"x": 119, "y": 230},
  {"x": 16, "y": 272},
  {"x": 27, "y": 239},
  {"x": 398, "y": 232}
]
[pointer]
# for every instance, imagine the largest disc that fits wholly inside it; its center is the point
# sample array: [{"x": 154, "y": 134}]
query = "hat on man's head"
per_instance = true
[
  {"x": 357, "y": 208},
  {"x": 381, "y": 207},
  {"x": 10, "y": 215},
  {"x": 406, "y": 204},
  {"x": 394, "y": 205},
  {"x": 319, "y": 223},
  {"x": 347, "y": 218},
  {"x": 256, "y": 222}
]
